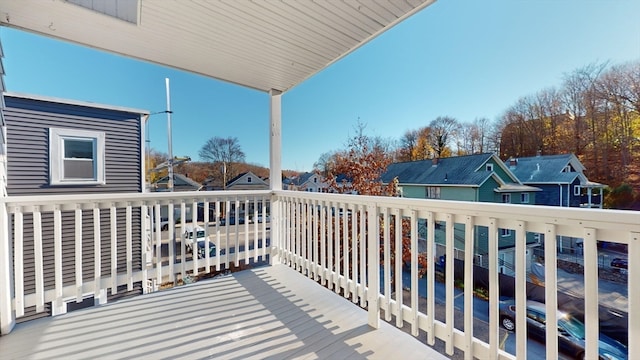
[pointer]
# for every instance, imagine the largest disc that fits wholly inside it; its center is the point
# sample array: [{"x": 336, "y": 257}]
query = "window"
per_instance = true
[
  {"x": 315, "y": 180},
  {"x": 505, "y": 232},
  {"x": 248, "y": 179},
  {"x": 576, "y": 190},
  {"x": 76, "y": 157},
  {"x": 489, "y": 167},
  {"x": 506, "y": 198},
  {"x": 433, "y": 192},
  {"x": 524, "y": 198}
]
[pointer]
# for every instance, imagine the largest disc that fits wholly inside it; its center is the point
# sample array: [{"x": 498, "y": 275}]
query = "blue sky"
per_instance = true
[{"x": 466, "y": 59}]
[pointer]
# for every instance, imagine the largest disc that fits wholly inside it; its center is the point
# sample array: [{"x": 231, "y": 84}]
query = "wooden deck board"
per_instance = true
[{"x": 270, "y": 312}]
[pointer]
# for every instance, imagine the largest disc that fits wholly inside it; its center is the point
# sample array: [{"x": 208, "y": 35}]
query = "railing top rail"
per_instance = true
[
  {"x": 586, "y": 217},
  {"x": 127, "y": 197}
]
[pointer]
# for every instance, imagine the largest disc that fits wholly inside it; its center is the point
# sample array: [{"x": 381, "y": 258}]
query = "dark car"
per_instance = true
[
  {"x": 571, "y": 331},
  {"x": 620, "y": 263},
  {"x": 202, "y": 249}
]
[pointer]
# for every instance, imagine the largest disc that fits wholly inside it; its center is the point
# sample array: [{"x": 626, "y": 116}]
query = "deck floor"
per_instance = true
[{"x": 270, "y": 312}]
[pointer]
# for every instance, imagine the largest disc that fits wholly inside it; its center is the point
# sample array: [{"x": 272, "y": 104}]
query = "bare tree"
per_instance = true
[
  {"x": 224, "y": 152},
  {"x": 443, "y": 129}
]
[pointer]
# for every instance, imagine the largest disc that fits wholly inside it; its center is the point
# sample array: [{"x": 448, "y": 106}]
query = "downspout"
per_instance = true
[{"x": 7, "y": 315}]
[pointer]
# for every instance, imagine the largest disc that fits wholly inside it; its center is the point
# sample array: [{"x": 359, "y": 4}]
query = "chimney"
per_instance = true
[
  {"x": 434, "y": 161},
  {"x": 513, "y": 162},
  {"x": 538, "y": 153}
]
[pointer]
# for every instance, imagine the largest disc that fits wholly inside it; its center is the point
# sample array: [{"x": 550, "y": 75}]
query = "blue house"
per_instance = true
[
  {"x": 561, "y": 179},
  {"x": 476, "y": 178}
]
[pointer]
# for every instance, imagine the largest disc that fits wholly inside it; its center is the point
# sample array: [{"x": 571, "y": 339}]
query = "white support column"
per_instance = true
[
  {"x": 275, "y": 170},
  {"x": 275, "y": 140}
]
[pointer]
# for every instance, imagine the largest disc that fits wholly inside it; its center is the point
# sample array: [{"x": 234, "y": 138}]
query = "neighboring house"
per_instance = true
[
  {"x": 308, "y": 181},
  {"x": 477, "y": 178},
  {"x": 59, "y": 147},
  {"x": 180, "y": 183},
  {"x": 561, "y": 179},
  {"x": 246, "y": 181}
]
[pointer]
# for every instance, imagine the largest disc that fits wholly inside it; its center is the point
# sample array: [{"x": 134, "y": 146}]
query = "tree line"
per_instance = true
[{"x": 594, "y": 114}]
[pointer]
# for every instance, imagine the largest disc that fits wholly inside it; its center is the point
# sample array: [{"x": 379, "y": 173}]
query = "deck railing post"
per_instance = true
[
  {"x": 373, "y": 266},
  {"x": 7, "y": 315}
]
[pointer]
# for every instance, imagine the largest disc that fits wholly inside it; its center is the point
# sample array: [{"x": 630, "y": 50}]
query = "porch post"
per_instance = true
[
  {"x": 275, "y": 141},
  {"x": 275, "y": 170}
]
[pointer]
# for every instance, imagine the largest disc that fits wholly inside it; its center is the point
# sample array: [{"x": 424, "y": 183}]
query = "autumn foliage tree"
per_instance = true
[{"x": 358, "y": 170}]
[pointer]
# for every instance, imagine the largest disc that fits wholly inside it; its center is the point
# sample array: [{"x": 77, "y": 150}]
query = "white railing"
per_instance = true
[
  {"x": 347, "y": 243},
  {"x": 62, "y": 249}
]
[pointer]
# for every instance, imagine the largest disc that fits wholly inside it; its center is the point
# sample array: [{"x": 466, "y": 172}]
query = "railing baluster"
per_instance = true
[
  {"x": 57, "y": 253},
  {"x": 386, "y": 223},
  {"x": 398, "y": 267},
  {"x": 591, "y": 297},
  {"x": 551, "y": 290},
  {"x": 361, "y": 280},
  {"x": 521, "y": 290},
  {"x": 431, "y": 278},
  {"x": 37, "y": 247},
  {"x": 97, "y": 253},
  {"x": 129, "y": 246},
  {"x": 633, "y": 282},
  {"x": 353, "y": 284},
  {"x": 414, "y": 273},
  {"x": 18, "y": 264},
  {"x": 469, "y": 238},
  {"x": 373, "y": 262},
  {"x": 449, "y": 265},
  {"x": 114, "y": 249},
  {"x": 78, "y": 253},
  {"x": 194, "y": 242},
  {"x": 158, "y": 244},
  {"x": 493, "y": 289}
]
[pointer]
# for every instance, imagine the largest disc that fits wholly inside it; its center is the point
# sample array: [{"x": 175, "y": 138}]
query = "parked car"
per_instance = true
[
  {"x": 202, "y": 249},
  {"x": 192, "y": 235},
  {"x": 164, "y": 225},
  {"x": 260, "y": 219},
  {"x": 571, "y": 331},
  {"x": 620, "y": 263}
]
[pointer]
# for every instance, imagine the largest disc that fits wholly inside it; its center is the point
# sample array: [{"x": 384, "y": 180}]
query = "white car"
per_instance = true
[{"x": 190, "y": 239}]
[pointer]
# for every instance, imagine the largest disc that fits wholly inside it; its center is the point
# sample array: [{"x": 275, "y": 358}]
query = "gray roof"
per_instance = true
[
  {"x": 547, "y": 169},
  {"x": 459, "y": 170}
]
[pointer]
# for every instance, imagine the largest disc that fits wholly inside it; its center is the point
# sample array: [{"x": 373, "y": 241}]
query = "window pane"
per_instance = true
[
  {"x": 78, "y": 149},
  {"x": 78, "y": 169}
]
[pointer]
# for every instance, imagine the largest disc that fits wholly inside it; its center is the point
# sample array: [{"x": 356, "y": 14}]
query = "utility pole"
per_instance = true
[{"x": 170, "y": 165}]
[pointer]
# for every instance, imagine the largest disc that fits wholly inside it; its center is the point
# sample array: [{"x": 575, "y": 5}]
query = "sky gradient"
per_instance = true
[{"x": 464, "y": 59}]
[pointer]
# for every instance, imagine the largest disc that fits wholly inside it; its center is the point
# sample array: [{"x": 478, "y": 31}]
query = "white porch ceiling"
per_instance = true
[{"x": 261, "y": 44}]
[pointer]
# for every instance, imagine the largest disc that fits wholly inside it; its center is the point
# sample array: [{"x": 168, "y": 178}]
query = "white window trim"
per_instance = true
[
  {"x": 577, "y": 190},
  {"x": 506, "y": 197},
  {"x": 56, "y": 152},
  {"x": 489, "y": 167},
  {"x": 524, "y": 198}
]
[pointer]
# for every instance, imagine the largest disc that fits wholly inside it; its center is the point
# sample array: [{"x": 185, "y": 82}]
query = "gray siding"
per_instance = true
[{"x": 28, "y": 122}]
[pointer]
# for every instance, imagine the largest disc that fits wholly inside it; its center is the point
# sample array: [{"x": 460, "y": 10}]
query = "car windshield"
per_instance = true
[{"x": 573, "y": 326}]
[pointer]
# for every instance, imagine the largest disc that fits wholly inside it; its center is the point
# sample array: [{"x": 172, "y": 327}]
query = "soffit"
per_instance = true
[{"x": 261, "y": 44}]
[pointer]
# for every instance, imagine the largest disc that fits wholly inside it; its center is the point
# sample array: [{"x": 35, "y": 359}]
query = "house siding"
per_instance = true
[
  {"x": 486, "y": 191},
  {"x": 458, "y": 193},
  {"x": 28, "y": 121}
]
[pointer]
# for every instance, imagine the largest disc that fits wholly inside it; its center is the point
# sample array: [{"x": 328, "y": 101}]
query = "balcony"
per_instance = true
[{"x": 317, "y": 283}]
